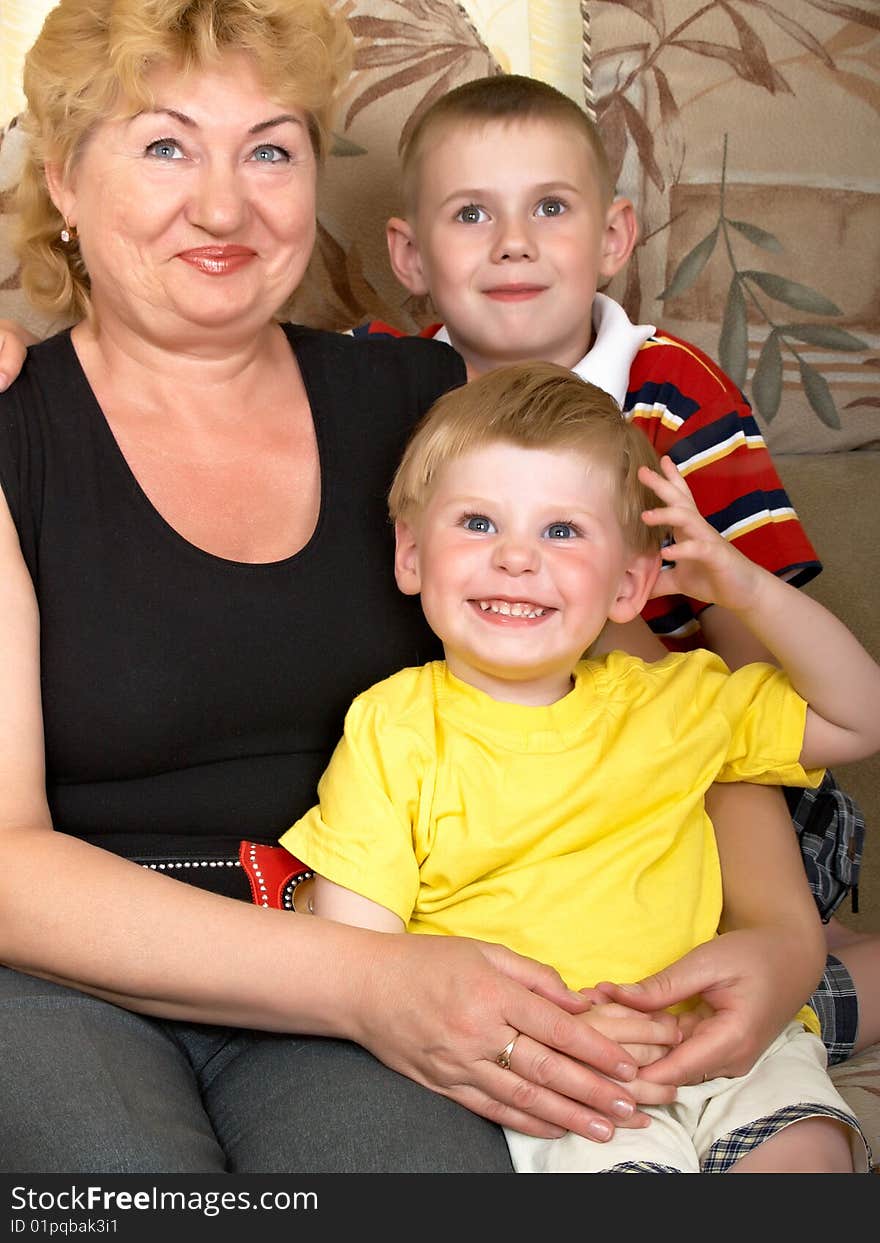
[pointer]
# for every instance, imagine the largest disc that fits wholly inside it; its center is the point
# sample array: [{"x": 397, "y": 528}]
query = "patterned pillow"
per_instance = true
[{"x": 747, "y": 137}]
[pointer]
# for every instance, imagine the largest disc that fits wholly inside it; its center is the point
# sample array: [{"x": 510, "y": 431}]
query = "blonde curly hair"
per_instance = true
[{"x": 92, "y": 61}]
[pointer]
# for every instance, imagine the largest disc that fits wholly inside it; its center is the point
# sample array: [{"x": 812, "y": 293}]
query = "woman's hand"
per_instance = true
[
  {"x": 440, "y": 1009},
  {"x": 14, "y": 341}
]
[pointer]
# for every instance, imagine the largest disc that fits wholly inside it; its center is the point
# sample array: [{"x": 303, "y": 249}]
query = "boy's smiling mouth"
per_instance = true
[
  {"x": 514, "y": 293},
  {"x": 518, "y": 609}
]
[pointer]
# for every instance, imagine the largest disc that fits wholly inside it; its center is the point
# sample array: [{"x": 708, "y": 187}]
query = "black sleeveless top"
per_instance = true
[{"x": 191, "y": 701}]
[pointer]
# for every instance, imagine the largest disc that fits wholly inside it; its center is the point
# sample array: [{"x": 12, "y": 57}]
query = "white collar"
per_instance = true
[{"x": 618, "y": 340}]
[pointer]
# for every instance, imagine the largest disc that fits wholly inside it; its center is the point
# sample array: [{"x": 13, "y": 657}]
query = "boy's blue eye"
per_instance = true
[
  {"x": 471, "y": 214},
  {"x": 268, "y": 153},
  {"x": 479, "y": 523},
  {"x": 551, "y": 207},
  {"x": 560, "y": 530},
  {"x": 165, "y": 149}
]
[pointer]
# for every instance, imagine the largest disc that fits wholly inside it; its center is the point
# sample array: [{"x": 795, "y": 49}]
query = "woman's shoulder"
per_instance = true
[
  {"x": 394, "y": 354},
  {"x": 46, "y": 382},
  {"x": 53, "y": 352}
]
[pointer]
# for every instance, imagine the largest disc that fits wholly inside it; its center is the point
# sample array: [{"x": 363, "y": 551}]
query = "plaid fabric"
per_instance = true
[
  {"x": 831, "y": 831},
  {"x": 836, "y": 1003},
  {"x": 641, "y": 1167},
  {"x": 724, "y": 1152}
]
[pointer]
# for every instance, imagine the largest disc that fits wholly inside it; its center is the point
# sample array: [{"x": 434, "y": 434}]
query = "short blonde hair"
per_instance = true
[
  {"x": 535, "y": 405},
  {"x": 92, "y": 59},
  {"x": 505, "y": 98}
]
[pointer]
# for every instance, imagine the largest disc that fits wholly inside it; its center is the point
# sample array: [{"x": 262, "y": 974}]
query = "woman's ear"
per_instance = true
[
  {"x": 635, "y": 586},
  {"x": 619, "y": 238},
  {"x": 403, "y": 253},
  {"x": 61, "y": 191},
  {"x": 406, "y": 558}
]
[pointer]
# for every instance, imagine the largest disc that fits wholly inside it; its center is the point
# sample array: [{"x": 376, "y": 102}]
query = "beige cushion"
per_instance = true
[
  {"x": 858, "y": 1082},
  {"x": 786, "y": 110}
]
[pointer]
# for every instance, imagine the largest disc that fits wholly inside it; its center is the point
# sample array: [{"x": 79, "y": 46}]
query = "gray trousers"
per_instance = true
[{"x": 87, "y": 1087}]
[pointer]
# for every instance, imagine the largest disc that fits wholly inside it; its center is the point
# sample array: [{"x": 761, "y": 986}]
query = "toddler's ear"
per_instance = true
[
  {"x": 403, "y": 253},
  {"x": 635, "y": 586},
  {"x": 619, "y": 238},
  {"x": 406, "y": 559}
]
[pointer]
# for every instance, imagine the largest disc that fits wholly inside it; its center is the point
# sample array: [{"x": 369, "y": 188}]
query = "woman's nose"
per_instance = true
[{"x": 218, "y": 204}]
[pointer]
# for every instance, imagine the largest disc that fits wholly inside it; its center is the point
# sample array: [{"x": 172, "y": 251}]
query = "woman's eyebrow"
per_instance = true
[{"x": 281, "y": 119}]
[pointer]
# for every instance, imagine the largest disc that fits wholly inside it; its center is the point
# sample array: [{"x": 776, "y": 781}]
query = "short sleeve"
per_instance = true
[{"x": 360, "y": 834}]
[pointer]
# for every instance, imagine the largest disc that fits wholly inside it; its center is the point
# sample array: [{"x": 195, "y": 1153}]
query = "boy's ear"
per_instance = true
[
  {"x": 403, "y": 252},
  {"x": 619, "y": 238},
  {"x": 406, "y": 559},
  {"x": 635, "y": 586}
]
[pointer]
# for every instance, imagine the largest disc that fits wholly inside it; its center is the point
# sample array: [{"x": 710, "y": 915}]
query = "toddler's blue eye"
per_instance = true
[
  {"x": 560, "y": 530},
  {"x": 470, "y": 214},
  {"x": 551, "y": 207},
  {"x": 479, "y": 523}
]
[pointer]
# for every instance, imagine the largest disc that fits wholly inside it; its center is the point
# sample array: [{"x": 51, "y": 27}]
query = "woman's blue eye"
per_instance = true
[
  {"x": 551, "y": 207},
  {"x": 165, "y": 149},
  {"x": 560, "y": 530},
  {"x": 268, "y": 153},
  {"x": 470, "y": 214},
  {"x": 479, "y": 523}
]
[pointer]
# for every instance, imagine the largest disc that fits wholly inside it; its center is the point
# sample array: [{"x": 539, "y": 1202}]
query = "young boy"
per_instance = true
[
  {"x": 471, "y": 796},
  {"x": 511, "y": 224}
]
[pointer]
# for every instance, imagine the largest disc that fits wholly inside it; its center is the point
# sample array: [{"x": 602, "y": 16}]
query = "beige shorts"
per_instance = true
[{"x": 711, "y": 1125}]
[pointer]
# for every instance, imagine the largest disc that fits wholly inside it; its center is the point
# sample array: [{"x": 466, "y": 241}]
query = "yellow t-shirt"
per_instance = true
[{"x": 574, "y": 833}]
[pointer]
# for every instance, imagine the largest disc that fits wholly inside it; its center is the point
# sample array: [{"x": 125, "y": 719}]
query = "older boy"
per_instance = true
[
  {"x": 511, "y": 224},
  {"x": 470, "y": 796}
]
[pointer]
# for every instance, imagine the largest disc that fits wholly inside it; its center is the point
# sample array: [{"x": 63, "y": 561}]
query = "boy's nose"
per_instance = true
[
  {"x": 516, "y": 556},
  {"x": 513, "y": 242}
]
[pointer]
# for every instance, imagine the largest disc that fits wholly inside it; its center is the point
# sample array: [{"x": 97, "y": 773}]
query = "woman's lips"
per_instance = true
[{"x": 218, "y": 260}]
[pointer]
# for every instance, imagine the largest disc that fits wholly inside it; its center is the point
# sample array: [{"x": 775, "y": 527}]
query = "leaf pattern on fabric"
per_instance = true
[{"x": 739, "y": 49}]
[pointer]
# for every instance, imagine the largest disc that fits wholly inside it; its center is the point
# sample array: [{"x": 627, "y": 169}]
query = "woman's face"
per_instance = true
[{"x": 200, "y": 213}]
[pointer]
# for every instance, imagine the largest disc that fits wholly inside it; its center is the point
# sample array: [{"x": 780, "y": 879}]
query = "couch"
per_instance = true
[{"x": 748, "y": 140}]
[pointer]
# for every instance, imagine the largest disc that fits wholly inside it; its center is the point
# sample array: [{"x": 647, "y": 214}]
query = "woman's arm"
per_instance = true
[
  {"x": 437, "y": 1009},
  {"x": 644, "y": 1037}
]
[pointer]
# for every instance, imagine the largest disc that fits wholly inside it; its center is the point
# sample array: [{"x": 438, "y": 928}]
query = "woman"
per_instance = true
[{"x": 195, "y": 579}]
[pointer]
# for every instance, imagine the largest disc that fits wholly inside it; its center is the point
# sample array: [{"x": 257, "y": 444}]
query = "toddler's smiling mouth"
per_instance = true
[{"x": 512, "y": 608}]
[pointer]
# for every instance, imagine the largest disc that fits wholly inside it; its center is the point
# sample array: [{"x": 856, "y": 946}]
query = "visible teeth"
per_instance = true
[{"x": 517, "y": 609}]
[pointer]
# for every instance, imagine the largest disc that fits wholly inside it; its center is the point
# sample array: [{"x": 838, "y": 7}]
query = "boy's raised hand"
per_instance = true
[
  {"x": 14, "y": 341},
  {"x": 703, "y": 564}
]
